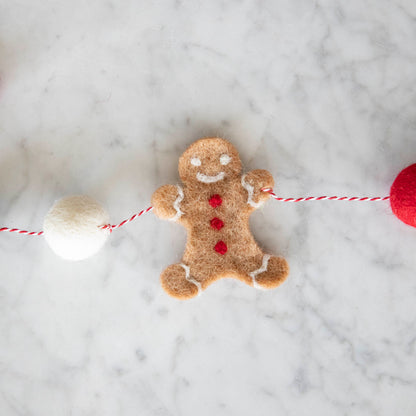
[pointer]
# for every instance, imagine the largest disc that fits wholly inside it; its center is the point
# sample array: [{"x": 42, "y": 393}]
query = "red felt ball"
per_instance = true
[{"x": 403, "y": 196}]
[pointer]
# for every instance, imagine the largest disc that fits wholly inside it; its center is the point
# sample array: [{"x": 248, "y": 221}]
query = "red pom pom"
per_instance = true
[{"x": 403, "y": 196}]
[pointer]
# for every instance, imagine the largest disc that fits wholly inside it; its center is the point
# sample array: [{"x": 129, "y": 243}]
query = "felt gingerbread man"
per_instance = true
[{"x": 214, "y": 205}]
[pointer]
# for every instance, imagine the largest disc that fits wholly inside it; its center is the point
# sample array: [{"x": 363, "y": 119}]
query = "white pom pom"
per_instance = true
[{"x": 71, "y": 227}]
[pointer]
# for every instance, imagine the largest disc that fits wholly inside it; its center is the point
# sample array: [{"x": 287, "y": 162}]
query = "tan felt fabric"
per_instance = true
[{"x": 214, "y": 204}]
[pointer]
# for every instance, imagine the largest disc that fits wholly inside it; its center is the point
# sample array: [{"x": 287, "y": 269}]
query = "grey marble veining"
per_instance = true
[{"x": 102, "y": 98}]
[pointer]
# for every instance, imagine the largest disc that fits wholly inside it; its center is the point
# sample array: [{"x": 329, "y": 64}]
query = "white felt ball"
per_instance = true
[{"x": 71, "y": 227}]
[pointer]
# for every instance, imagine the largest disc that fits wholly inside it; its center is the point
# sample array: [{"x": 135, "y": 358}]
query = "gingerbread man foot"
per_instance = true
[
  {"x": 176, "y": 280},
  {"x": 272, "y": 272}
]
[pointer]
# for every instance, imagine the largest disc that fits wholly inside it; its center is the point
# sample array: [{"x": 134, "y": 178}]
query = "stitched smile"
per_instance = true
[{"x": 210, "y": 179}]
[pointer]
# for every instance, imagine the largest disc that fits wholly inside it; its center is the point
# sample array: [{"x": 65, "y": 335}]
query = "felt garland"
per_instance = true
[
  {"x": 214, "y": 205},
  {"x": 214, "y": 222},
  {"x": 400, "y": 202}
]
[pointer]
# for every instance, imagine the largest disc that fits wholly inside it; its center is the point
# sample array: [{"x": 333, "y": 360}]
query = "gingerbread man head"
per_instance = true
[{"x": 208, "y": 161}]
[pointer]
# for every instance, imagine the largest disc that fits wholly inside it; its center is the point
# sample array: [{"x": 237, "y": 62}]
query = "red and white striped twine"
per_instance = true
[
  {"x": 133, "y": 217},
  {"x": 269, "y": 190},
  {"x": 104, "y": 227},
  {"x": 16, "y": 230},
  {"x": 322, "y": 198}
]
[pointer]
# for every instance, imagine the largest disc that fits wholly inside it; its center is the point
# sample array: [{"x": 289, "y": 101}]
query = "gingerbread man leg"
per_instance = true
[
  {"x": 178, "y": 282},
  {"x": 272, "y": 272}
]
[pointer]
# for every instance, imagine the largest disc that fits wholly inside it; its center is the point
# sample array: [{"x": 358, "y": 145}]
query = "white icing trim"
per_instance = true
[
  {"x": 191, "y": 279},
  {"x": 225, "y": 159},
  {"x": 250, "y": 190},
  {"x": 177, "y": 204},
  {"x": 210, "y": 179},
  {"x": 262, "y": 269},
  {"x": 196, "y": 161}
]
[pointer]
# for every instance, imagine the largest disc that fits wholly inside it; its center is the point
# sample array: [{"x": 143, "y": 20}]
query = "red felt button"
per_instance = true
[
  {"x": 221, "y": 247},
  {"x": 216, "y": 223},
  {"x": 215, "y": 201}
]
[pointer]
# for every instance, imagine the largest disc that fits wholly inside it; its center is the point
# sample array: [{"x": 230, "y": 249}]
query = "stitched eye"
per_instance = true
[
  {"x": 225, "y": 159},
  {"x": 195, "y": 161}
]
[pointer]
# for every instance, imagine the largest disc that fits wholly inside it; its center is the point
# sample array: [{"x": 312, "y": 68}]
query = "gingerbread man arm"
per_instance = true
[
  {"x": 166, "y": 202},
  {"x": 253, "y": 182}
]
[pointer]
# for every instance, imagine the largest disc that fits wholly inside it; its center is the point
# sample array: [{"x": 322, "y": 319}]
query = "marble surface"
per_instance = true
[{"x": 101, "y": 98}]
